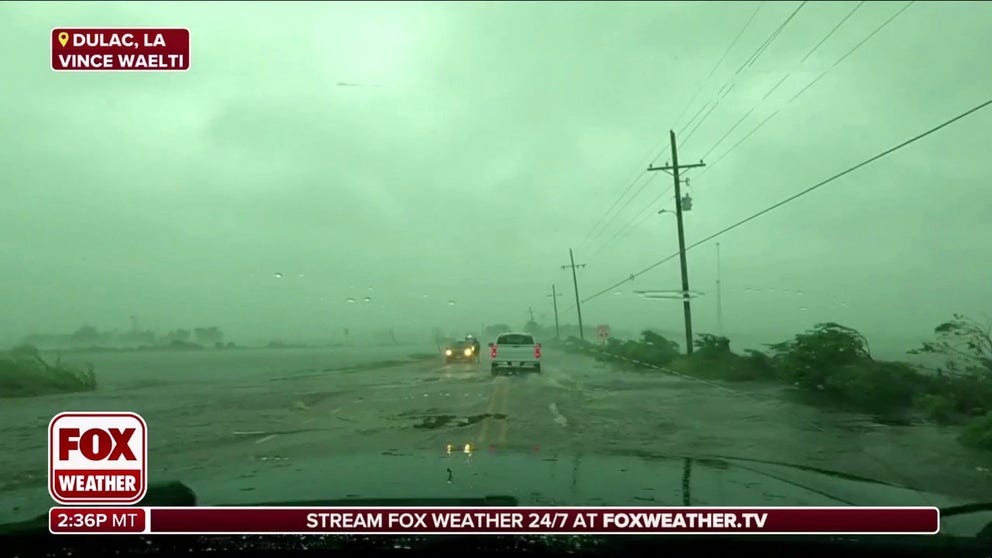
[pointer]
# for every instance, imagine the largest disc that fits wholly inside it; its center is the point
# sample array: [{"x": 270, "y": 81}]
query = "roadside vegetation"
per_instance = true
[
  {"x": 831, "y": 366},
  {"x": 24, "y": 373}
]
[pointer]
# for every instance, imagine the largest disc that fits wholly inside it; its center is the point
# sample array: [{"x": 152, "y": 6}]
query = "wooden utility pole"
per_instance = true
[
  {"x": 719, "y": 301},
  {"x": 554, "y": 298},
  {"x": 575, "y": 283},
  {"x": 675, "y": 168}
]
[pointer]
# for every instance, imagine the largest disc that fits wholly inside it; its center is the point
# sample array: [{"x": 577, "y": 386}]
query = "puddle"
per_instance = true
[{"x": 440, "y": 421}]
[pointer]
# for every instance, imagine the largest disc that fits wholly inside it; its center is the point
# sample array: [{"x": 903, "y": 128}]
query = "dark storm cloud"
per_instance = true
[{"x": 496, "y": 136}]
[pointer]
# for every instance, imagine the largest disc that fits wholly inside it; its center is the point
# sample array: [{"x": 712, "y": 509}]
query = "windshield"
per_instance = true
[
  {"x": 515, "y": 340},
  {"x": 751, "y": 238}
]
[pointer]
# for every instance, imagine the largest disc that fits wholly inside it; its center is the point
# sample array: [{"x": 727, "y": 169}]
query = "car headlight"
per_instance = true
[
  {"x": 447, "y": 352},
  {"x": 468, "y": 352}
]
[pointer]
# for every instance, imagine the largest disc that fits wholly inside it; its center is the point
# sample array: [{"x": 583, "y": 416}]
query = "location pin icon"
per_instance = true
[{"x": 63, "y": 38}]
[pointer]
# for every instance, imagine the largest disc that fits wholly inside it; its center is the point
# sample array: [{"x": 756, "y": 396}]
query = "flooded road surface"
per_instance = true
[{"x": 209, "y": 411}]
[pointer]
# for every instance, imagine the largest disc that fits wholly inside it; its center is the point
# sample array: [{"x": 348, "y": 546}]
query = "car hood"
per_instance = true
[{"x": 542, "y": 479}]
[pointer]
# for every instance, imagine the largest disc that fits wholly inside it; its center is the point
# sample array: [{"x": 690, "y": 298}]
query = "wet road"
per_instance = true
[{"x": 208, "y": 410}]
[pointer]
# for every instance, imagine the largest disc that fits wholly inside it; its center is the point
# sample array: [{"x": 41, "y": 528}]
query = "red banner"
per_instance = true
[
  {"x": 492, "y": 520},
  {"x": 119, "y": 49}
]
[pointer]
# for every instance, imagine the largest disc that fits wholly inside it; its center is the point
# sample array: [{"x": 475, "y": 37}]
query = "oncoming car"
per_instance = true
[{"x": 460, "y": 351}]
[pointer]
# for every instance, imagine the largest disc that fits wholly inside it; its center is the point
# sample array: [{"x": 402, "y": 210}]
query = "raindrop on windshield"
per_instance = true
[
  {"x": 350, "y": 300},
  {"x": 803, "y": 308},
  {"x": 427, "y": 296},
  {"x": 278, "y": 275},
  {"x": 301, "y": 276},
  {"x": 618, "y": 293},
  {"x": 368, "y": 299},
  {"x": 451, "y": 303}
]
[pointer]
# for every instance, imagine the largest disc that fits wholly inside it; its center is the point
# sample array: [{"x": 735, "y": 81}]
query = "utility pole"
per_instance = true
[
  {"x": 575, "y": 283},
  {"x": 531, "y": 311},
  {"x": 675, "y": 168},
  {"x": 554, "y": 298},
  {"x": 719, "y": 302}
]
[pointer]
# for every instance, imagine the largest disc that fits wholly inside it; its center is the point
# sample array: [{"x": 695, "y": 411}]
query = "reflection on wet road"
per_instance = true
[{"x": 207, "y": 411}]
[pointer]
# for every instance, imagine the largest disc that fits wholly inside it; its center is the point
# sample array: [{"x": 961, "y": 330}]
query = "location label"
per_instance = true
[{"x": 120, "y": 49}]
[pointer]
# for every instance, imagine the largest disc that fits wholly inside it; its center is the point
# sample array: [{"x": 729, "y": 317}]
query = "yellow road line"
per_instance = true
[
  {"x": 497, "y": 405},
  {"x": 489, "y": 410},
  {"x": 504, "y": 424}
]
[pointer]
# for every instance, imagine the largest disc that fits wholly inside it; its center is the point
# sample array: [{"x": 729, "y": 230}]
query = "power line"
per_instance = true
[
  {"x": 834, "y": 65},
  {"x": 618, "y": 200},
  {"x": 850, "y": 52},
  {"x": 832, "y": 31},
  {"x": 592, "y": 237},
  {"x": 793, "y": 197},
  {"x": 716, "y": 66},
  {"x": 737, "y": 38},
  {"x": 772, "y": 90},
  {"x": 631, "y": 225},
  {"x": 747, "y": 64},
  {"x": 691, "y": 120},
  {"x": 761, "y": 50},
  {"x": 701, "y": 120},
  {"x": 780, "y": 82},
  {"x": 730, "y": 131},
  {"x": 644, "y": 185},
  {"x": 742, "y": 140}
]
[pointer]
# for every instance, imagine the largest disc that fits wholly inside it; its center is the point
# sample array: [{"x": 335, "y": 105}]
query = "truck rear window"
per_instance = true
[{"x": 515, "y": 340}]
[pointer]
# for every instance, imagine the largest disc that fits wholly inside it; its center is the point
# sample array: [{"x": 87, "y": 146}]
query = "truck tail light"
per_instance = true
[
  {"x": 537, "y": 350},
  {"x": 492, "y": 351}
]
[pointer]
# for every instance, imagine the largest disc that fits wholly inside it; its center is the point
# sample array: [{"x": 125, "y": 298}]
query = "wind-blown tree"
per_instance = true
[
  {"x": 811, "y": 357},
  {"x": 965, "y": 342}
]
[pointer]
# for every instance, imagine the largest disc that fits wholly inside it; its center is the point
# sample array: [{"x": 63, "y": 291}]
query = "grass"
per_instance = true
[{"x": 23, "y": 373}]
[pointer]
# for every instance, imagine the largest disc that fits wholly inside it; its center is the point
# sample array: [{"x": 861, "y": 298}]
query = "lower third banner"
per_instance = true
[{"x": 493, "y": 520}]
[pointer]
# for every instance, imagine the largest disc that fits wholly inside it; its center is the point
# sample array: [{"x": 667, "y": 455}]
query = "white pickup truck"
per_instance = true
[{"x": 515, "y": 351}]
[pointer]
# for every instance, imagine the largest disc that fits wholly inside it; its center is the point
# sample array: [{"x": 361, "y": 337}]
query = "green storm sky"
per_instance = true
[{"x": 476, "y": 144}]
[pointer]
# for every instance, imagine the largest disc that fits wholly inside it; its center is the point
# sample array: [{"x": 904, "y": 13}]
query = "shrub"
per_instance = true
[
  {"x": 874, "y": 387},
  {"x": 978, "y": 433},
  {"x": 24, "y": 373},
  {"x": 938, "y": 408},
  {"x": 810, "y": 357}
]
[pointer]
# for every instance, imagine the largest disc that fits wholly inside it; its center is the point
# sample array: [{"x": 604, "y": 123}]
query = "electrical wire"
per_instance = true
[
  {"x": 771, "y": 38},
  {"x": 793, "y": 197},
  {"x": 747, "y": 64},
  {"x": 646, "y": 211},
  {"x": 818, "y": 78},
  {"x": 852, "y": 51},
  {"x": 832, "y": 31},
  {"x": 644, "y": 185},
  {"x": 592, "y": 234}
]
